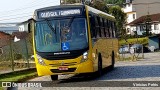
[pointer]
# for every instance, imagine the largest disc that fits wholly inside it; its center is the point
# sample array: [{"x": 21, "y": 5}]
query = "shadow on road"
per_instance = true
[
  {"x": 128, "y": 72},
  {"x": 85, "y": 77}
]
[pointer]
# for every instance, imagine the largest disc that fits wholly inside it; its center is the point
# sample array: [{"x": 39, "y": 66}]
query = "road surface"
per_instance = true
[{"x": 147, "y": 69}]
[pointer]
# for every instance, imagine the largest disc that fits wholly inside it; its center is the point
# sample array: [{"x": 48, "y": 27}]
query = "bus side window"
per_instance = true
[
  {"x": 92, "y": 27},
  {"x": 100, "y": 25},
  {"x": 102, "y": 28},
  {"x": 105, "y": 26},
  {"x": 113, "y": 29},
  {"x": 97, "y": 27},
  {"x": 110, "y": 29},
  {"x": 108, "y": 26}
]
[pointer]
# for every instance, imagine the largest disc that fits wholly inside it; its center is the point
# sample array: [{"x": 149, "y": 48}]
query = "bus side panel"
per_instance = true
[
  {"x": 115, "y": 49},
  {"x": 95, "y": 54},
  {"x": 105, "y": 46}
]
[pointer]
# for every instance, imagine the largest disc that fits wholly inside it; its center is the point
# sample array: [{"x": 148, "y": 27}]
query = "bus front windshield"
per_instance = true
[{"x": 61, "y": 35}]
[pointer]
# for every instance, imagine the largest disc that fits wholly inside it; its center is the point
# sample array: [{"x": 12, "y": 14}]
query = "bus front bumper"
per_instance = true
[{"x": 85, "y": 67}]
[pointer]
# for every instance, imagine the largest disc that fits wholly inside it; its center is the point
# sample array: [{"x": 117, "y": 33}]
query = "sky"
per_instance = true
[{"x": 12, "y": 11}]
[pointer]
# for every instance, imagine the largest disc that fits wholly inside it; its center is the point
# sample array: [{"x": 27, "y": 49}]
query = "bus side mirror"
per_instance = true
[{"x": 30, "y": 25}]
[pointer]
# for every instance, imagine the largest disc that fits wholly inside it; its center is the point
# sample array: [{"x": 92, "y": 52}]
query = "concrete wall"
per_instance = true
[{"x": 142, "y": 8}]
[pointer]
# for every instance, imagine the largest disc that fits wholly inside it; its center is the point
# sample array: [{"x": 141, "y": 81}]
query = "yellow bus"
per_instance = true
[{"x": 73, "y": 39}]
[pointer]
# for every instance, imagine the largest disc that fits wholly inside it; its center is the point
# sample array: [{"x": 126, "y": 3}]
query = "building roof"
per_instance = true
[
  {"x": 4, "y": 39},
  {"x": 142, "y": 19}
]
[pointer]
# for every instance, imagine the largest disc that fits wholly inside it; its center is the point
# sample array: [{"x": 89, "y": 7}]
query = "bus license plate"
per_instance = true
[{"x": 63, "y": 68}]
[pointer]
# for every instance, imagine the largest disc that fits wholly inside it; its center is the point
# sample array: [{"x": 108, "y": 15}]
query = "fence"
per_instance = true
[
  {"x": 133, "y": 53},
  {"x": 15, "y": 55}
]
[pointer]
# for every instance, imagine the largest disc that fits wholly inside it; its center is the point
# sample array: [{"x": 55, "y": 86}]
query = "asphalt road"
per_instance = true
[{"x": 147, "y": 69}]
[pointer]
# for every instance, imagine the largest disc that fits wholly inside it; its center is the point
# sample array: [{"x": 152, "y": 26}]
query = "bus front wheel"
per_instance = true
[{"x": 54, "y": 77}]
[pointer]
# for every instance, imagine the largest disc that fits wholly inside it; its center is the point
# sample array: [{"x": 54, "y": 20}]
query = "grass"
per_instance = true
[
  {"x": 129, "y": 58},
  {"x": 19, "y": 76},
  {"x": 143, "y": 41}
]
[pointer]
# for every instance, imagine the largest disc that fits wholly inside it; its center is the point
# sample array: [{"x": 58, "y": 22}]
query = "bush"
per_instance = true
[
  {"x": 17, "y": 56},
  {"x": 143, "y": 41}
]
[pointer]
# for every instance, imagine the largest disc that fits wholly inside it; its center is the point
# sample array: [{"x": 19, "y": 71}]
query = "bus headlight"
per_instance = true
[
  {"x": 40, "y": 60},
  {"x": 84, "y": 57}
]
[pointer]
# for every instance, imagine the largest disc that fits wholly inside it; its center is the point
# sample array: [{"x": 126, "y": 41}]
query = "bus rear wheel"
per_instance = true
[
  {"x": 99, "y": 65},
  {"x": 54, "y": 77},
  {"x": 113, "y": 60}
]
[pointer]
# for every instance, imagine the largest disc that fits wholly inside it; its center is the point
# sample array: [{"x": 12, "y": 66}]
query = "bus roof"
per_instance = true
[{"x": 98, "y": 12}]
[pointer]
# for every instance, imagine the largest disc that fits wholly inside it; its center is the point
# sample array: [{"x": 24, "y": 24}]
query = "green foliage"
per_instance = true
[
  {"x": 120, "y": 17},
  {"x": 71, "y": 1},
  {"x": 17, "y": 56},
  {"x": 100, "y": 6},
  {"x": 18, "y": 76},
  {"x": 117, "y": 2},
  {"x": 143, "y": 41}
]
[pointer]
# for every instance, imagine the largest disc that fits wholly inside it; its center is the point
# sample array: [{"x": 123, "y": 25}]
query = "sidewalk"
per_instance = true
[{"x": 16, "y": 70}]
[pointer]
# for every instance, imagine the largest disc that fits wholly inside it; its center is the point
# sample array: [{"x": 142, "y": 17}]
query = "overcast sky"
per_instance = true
[{"x": 20, "y": 10}]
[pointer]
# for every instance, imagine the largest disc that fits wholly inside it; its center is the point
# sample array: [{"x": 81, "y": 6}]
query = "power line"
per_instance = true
[
  {"x": 15, "y": 18},
  {"x": 23, "y": 8},
  {"x": 11, "y": 15}
]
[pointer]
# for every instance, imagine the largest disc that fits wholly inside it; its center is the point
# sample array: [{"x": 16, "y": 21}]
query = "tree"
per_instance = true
[
  {"x": 148, "y": 25},
  {"x": 71, "y": 1},
  {"x": 116, "y": 2},
  {"x": 100, "y": 6},
  {"x": 120, "y": 17}
]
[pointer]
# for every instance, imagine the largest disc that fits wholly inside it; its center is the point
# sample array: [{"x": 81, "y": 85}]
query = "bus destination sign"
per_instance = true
[{"x": 56, "y": 13}]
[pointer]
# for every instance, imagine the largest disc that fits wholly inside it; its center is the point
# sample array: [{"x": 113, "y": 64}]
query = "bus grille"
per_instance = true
[{"x": 63, "y": 64}]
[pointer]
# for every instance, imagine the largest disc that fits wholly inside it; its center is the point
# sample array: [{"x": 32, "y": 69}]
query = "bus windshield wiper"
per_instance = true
[
  {"x": 50, "y": 26},
  {"x": 70, "y": 22}
]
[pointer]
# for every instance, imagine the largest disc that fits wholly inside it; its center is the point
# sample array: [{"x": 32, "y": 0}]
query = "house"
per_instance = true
[
  {"x": 138, "y": 8},
  {"x": 4, "y": 39},
  {"x": 23, "y": 26},
  {"x": 141, "y": 26},
  {"x": 131, "y": 14}
]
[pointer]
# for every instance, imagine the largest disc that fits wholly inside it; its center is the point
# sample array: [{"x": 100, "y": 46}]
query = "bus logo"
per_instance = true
[{"x": 65, "y": 46}]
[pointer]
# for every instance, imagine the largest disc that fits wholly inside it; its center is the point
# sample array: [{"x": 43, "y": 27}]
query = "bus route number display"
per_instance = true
[{"x": 56, "y": 13}]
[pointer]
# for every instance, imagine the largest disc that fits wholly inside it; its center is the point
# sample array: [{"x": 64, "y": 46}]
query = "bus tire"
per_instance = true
[
  {"x": 99, "y": 65},
  {"x": 54, "y": 77},
  {"x": 113, "y": 60}
]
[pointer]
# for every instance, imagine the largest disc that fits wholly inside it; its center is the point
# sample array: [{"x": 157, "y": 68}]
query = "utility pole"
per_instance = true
[{"x": 11, "y": 53}]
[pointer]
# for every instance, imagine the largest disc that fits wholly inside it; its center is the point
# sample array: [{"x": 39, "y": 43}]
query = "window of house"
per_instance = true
[
  {"x": 128, "y": 30},
  {"x": 141, "y": 27},
  {"x": 156, "y": 27},
  {"x": 134, "y": 16}
]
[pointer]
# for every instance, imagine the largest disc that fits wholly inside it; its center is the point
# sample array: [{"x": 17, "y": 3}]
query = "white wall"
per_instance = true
[
  {"x": 128, "y": 8},
  {"x": 21, "y": 28},
  {"x": 155, "y": 31},
  {"x": 140, "y": 32},
  {"x": 130, "y": 17}
]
